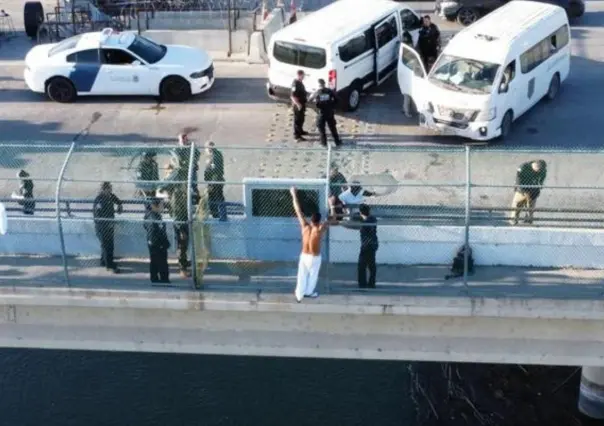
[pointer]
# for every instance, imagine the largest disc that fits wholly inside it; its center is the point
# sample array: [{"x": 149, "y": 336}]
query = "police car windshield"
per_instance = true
[
  {"x": 150, "y": 51},
  {"x": 299, "y": 55},
  {"x": 67, "y": 44},
  {"x": 464, "y": 75}
]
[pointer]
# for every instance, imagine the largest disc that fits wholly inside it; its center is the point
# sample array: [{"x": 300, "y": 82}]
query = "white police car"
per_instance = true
[{"x": 111, "y": 63}]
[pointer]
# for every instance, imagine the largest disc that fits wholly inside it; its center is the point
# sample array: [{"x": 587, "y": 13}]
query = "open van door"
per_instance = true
[{"x": 412, "y": 76}]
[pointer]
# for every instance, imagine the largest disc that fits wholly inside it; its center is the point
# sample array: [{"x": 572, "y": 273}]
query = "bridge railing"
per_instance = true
[{"x": 429, "y": 203}]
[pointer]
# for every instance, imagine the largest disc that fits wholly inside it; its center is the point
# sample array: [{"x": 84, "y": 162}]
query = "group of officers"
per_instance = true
[
  {"x": 325, "y": 98},
  {"x": 155, "y": 192}
]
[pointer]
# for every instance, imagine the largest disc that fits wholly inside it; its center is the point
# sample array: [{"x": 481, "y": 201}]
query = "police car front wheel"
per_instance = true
[
  {"x": 175, "y": 89},
  {"x": 60, "y": 89}
]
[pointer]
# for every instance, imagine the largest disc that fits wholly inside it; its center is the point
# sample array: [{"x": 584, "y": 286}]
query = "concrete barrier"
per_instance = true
[
  {"x": 216, "y": 42},
  {"x": 264, "y": 240},
  {"x": 259, "y": 40}
]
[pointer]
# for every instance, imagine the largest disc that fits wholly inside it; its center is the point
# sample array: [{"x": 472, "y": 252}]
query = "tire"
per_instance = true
[
  {"x": 33, "y": 16},
  {"x": 174, "y": 89},
  {"x": 61, "y": 90},
  {"x": 467, "y": 16},
  {"x": 554, "y": 88},
  {"x": 352, "y": 99},
  {"x": 506, "y": 125}
]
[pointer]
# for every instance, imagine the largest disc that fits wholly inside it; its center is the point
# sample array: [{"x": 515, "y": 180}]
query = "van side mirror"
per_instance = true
[
  {"x": 503, "y": 88},
  {"x": 137, "y": 63}
]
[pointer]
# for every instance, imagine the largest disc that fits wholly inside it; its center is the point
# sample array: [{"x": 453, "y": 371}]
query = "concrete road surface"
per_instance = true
[{"x": 378, "y": 137}]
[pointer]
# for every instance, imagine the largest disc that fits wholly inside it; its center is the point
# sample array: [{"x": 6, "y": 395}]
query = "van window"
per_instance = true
[
  {"x": 464, "y": 75},
  {"x": 410, "y": 20},
  {"x": 386, "y": 32},
  {"x": 542, "y": 51},
  {"x": 410, "y": 60},
  {"x": 356, "y": 46},
  {"x": 299, "y": 55}
]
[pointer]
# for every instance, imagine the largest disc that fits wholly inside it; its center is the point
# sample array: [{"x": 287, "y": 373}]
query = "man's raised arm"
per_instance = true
[{"x": 297, "y": 208}]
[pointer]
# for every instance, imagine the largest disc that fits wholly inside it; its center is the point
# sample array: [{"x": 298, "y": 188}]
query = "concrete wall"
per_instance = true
[
  {"x": 264, "y": 240},
  {"x": 201, "y": 20},
  {"x": 209, "y": 40}
]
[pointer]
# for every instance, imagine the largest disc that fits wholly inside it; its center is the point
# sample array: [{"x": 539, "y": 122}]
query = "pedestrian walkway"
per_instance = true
[{"x": 491, "y": 282}]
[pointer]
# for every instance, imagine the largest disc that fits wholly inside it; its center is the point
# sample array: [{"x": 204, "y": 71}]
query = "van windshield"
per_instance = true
[
  {"x": 299, "y": 55},
  {"x": 464, "y": 75}
]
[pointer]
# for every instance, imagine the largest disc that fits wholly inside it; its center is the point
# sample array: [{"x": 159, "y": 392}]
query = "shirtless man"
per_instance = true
[{"x": 310, "y": 258}]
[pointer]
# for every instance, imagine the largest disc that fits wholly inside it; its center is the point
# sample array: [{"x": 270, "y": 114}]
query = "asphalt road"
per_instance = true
[{"x": 378, "y": 137}]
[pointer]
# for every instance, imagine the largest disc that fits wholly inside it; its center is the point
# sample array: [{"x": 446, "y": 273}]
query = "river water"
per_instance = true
[{"x": 71, "y": 388}]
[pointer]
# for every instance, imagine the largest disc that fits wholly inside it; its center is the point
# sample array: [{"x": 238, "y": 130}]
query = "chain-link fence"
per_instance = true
[{"x": 215, "y": 216}]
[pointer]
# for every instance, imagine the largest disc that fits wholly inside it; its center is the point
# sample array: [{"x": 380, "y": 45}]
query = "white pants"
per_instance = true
[{"x": 308, "y": 275}]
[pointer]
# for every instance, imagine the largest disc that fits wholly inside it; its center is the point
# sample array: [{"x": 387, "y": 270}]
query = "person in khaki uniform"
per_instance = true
[
  {"x": 529, "y": 180},
  {"x": 180, "y": 214}
]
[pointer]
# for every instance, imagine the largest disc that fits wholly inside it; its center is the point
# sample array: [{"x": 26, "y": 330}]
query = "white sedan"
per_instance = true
[{"x": 111, "y": 63}]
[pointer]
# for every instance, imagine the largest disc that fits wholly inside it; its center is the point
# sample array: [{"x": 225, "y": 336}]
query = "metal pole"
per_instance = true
[
  {"x": 229, "y": 12},
  {"x": 328, "y": 233},
  {"x": 190, "y": 184},
  {"x": 58, "y": 211},
  {"x": 467, "y": 218}
]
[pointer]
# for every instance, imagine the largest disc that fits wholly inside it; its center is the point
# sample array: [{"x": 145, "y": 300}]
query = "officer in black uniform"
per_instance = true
[
  {"x": 158, "y": 243},
  {"x": 299, "y": 98},
  {"x": 104, "y": 213},
  {"x": 326, "y": 101}
]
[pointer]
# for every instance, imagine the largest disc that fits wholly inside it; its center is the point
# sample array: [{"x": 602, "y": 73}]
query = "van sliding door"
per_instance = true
[{"x": 387, "y": 42}]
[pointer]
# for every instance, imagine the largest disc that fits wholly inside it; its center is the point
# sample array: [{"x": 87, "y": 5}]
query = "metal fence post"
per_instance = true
[
  {"x": 190, "y": 184},
  {"x": 328, "y": 233},
  {"x": 58, "y": 211},
  {"x": 466, "y": 252}
]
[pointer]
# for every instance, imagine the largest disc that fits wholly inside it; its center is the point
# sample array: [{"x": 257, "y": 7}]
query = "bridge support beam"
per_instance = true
[{"x": 591, "y": 394}]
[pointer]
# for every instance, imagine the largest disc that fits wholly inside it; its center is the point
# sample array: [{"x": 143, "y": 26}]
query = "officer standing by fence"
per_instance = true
[
  {"x": 180, "y": 214},
  {"x": 147, "y": 173},
  {"x": 214, "y": 172},
  {"x": 103, "y": 211},
  {"x": 299, "y": 97},
  {"x": 158, "y": 244},
  {"x": 26, "y": 193},
  {"x": 530, "y": 177},
  {"x": 326, "y": 102},
  {"x": 369, "y": 248}
]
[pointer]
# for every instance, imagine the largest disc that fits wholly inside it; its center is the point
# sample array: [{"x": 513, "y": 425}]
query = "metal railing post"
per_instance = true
[
  {"x": 190, "y": 184},
  {"x": 466, "y": 252},
  {"x": 58, "y": 211},
  {"x": 328, "y": 232}
]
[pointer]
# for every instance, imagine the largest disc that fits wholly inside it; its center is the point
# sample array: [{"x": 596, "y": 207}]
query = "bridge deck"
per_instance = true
[{"x": 513, "y": 282}]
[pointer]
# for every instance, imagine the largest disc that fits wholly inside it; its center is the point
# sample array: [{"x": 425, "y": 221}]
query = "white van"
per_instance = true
[
  {"x": 491, "y": 72},
  {"x": 351, "y": 44}
]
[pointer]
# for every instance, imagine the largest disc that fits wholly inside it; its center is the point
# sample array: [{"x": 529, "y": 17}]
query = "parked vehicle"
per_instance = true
[
  {"x": 110, "y": 63},
  {"x": 351, "y": 44},
  {"x": 466, "y": 12},
  {"x": 491, "y": 72}
]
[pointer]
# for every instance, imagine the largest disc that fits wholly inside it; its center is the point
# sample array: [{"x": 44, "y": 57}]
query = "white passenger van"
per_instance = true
[
  {"x": 491, "y": 72},
  {"x": 351, "y": 44}
]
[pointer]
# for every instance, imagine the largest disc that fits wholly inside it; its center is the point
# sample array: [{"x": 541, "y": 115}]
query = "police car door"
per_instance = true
[
  {"x": 387, "y": 41},
  {"x": 412, "y": 75},
  {"x": 120, "y": 74}
]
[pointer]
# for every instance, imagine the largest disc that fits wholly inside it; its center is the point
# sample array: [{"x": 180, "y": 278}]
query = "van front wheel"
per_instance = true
[
  {"x": 506, "y": 125},
  {"x": 352, "y": 98}
]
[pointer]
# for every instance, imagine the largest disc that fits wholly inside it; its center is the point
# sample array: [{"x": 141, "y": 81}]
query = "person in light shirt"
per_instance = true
[{"x": 353, "y": 196}]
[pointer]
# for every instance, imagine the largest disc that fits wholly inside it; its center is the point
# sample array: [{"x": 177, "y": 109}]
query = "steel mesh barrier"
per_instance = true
[{"x": 229, "y": 218}]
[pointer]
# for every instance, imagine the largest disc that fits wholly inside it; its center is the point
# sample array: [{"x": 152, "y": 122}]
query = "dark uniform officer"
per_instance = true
[
  {"x": 26, "y": 193},
  {"x": 158, "y": 244},
  {"x": 299, "y": 98},
  {"x": 326, "y": 101},
  {"x": 530, "y": 177},
  {"x": 180, "y": 214},
  {"x": 103, "y": 212},
  {"x": 369, "y": 247},
  {"x": 428, "y": 42},
  {"x": 214, "y": 172},
  {"x": 147, "y": 172}
]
